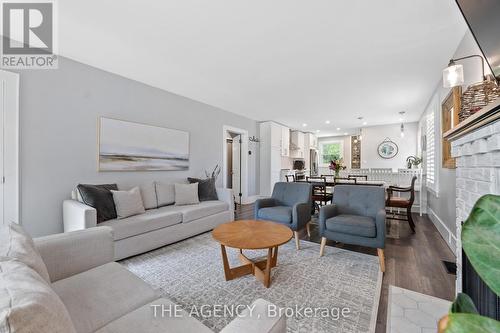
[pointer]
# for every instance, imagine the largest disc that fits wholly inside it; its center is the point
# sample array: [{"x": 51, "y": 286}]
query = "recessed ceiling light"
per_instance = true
[
  {"x": 327, "y": 122},
  {"x": 365, "y": 123},
  {"x": 400, "y": 119},
  {"x": 338, "y": 128},
  {"x": 345, "y": 133},
  {"x": 304, "y": 125},
  {"x": 317, "y": 131}
]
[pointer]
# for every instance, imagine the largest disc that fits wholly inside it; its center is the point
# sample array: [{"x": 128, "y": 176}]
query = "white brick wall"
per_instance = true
[{"x": 478, "y": 173}]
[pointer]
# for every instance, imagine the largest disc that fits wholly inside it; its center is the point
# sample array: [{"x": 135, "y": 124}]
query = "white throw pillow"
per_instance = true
[
  {"x": 186, "y": 194},
  {"x": 16, "y": 244},
  {"x": 128, "y": 203},
  {"x": 148, "y": 193},
  {"x": 28, "y": 303},
  {"x": 165, "y": 194}
]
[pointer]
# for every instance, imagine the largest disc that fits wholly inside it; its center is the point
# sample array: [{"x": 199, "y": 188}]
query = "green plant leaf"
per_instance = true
[
  {"x": 463, "y": 304},
  {"x": 481, "y": 240},
  {"x": 471, "y": 323}
]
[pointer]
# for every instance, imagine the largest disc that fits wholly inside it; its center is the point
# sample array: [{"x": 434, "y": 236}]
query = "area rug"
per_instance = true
[{"x": 190, "y": 274}]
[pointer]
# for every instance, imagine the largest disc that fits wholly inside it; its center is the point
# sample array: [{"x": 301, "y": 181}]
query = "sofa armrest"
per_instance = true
[
  {"x": 261, "y": 317},
  {"x": 263, "y": 203},
  {"x": 301, "y": 214},
  {"x": 226, "y": 195},
  {"x": 74, "y": 252},
  {"x": 325, "y": 213},
  {"x": 78, "y": 216}
]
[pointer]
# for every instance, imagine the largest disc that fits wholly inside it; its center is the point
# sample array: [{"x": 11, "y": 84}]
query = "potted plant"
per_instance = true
[
  {"x": 481, "y": 242},
  {"x": 336, "y": 166}
]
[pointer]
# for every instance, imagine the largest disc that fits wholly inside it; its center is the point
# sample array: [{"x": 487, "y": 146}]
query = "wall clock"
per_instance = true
[{"x": 387, "y": 149}]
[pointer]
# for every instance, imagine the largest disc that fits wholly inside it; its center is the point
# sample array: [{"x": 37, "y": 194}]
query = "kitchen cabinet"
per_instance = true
[
  {"x": 274, "y": 144},
  {"x": 297, "y": 144}
]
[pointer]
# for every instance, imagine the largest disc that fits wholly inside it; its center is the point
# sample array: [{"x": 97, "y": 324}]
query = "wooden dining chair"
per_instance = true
[
  {"x": 320, "y": 195},
  {"x": 404, "y": 203},
  {"x": 288, "y": 177},
  {"x": 345, "y": 181},
  {"x": 365, "y": 177}
]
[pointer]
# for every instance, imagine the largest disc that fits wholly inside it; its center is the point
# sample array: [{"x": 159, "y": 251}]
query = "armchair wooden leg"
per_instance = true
[
  {"x": 381, "y": 257},
  {"x": 308, "y": 228},
  {"x": 410, "y": 220},
  {"x": 296, "y": 235},
  {"x": 322, "y": 247}
]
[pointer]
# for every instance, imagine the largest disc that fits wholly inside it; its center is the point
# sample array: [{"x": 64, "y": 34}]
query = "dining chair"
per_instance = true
[
  {"x": 401, "y": 202},
  {"x": 345, "y": 181},
  {"x": 288, "y": 177},
  {"x": 320, "y": 195},
  {"x": 365, "y": 177}
]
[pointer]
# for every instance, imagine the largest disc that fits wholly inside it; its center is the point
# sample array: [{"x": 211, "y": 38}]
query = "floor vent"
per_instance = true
[{"x": 451, "y": 267}]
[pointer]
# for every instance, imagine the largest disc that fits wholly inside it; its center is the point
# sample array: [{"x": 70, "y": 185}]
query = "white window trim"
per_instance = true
[
  {"x": 434, "y": 110},
  {"x": 321, "y": 143}
]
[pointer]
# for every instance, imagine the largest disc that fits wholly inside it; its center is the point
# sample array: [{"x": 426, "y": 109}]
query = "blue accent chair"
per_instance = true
[
  {"x": 290, "y": 204},
  {"x": 356, "y": 216}
]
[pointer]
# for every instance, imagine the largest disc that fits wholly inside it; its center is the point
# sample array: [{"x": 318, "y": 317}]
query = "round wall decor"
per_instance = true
[{"x": 387, "y": 149}]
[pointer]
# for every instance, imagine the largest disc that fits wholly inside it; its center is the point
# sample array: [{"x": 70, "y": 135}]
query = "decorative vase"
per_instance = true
[{"x": 337, "y": 173}]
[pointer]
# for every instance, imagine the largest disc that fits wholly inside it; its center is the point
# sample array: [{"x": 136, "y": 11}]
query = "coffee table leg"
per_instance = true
[
  {"x": 275, "y": 257},
  {"x": 267, "y": 272},
  {"x": 225, "y": 262}
]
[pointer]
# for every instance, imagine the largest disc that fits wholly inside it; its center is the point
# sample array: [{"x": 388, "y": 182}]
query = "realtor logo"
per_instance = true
[{"x": 28, "y": 38}]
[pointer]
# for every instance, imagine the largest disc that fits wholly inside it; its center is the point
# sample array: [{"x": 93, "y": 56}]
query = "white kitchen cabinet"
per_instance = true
[
  {"x": 297, "y": 144},
  {"x": 285, "y": 141},
  {"x": 274, "y": 143}
]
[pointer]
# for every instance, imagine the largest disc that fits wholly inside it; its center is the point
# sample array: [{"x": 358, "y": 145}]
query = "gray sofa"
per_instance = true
[
  {"x": 290, "y": 204},
  {"x": 157, "y": 227},
  {"x": 67, "y": 283},
  {"x": 356, "y": 216}
]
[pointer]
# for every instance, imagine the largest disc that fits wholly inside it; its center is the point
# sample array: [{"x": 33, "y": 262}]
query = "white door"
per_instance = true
[
  {"x": 9, "y": 143},
  {"x": 237, "y": 168}
]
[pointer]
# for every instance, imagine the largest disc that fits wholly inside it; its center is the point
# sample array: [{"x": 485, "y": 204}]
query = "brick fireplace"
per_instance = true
[{"x": 478, "y": 172}]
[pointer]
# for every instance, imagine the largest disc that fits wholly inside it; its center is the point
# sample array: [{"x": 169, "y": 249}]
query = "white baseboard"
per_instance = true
[{"x": 445, "y": 232}]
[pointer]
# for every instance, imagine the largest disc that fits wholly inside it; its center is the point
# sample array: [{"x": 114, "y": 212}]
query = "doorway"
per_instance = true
[
  {"x": 9, "y": 147},
  {"x": 235, "y": 166}
]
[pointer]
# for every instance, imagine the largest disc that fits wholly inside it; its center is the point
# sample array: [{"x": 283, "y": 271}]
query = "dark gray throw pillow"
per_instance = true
[
  {"x": 101, "y": 198},
  {"x": 206, "y": 188}
]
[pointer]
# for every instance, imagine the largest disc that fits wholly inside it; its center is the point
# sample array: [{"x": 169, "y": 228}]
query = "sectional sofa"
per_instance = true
[
  {"x": 163, "y": 222},
  {"x": 69, "y": 283}
]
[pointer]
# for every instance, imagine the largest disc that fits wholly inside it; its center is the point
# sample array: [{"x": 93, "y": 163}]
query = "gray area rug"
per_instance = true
[{"x": 190, "y": 274}]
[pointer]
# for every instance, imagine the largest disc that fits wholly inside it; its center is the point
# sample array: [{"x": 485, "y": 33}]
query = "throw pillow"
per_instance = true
[
  {"x": 28, "y": 303},
  {"x": 128, "y": 203},
  {"x": 16, "y": 244},
  {"x": 165, "y": 193},
  {"x": 206, "y": 188},
  {"x": 186, "y": 194},
  {"x": 99, "y": 197},
  {"x": 148, "y": 193}
]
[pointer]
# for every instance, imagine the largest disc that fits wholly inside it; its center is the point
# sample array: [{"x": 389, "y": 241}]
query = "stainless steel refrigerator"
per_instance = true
[{"x": 313, "y": 162}]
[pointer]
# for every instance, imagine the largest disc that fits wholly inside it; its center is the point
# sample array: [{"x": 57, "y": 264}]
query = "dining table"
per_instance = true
[{"x": 332, "y": 183}]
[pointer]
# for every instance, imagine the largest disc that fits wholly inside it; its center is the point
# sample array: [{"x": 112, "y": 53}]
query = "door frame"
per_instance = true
[
  {"x": 11, "y": 140},
  {"x": 244, "y": 159}
]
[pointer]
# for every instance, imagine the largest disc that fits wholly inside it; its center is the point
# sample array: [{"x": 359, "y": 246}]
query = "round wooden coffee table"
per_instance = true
[{"x": 251, "y": 235}]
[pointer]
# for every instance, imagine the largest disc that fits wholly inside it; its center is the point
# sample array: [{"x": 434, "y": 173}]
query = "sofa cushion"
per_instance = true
[
  {"x": 152, "y": 219},
  {"x": 165, "y": 194},
  {"x": 148, "y": 193},
  {"x": 28, "y": 304},
  {"x": 352, "y": 225},
  {"x": 99, "y": 197},
  {"x": 281, "y": 214},
  {"x": 203, "y": 209},
  {"x": 128, "y": 203},
  {"x": 101, "y": 295},
  {"x": 206, "y": 188},
  {"x": 186, "y": 194},
  {"x": 144, "y": 320},
  {"x": 15, "y": 243}
]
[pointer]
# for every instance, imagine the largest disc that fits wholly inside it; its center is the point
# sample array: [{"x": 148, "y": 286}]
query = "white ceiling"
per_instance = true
[{"x": 292, "y": 61}]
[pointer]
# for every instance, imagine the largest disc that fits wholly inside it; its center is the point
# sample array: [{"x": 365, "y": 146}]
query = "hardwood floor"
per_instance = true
[{"x": 413, "y": 261}]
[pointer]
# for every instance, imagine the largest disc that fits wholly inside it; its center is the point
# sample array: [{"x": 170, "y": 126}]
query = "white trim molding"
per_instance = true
[
  {"x": 244, "y": 158},
  {"x": 444, "y": 231}
]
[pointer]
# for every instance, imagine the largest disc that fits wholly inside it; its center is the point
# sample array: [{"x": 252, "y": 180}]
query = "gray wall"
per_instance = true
[
  {"x": 442, "y": 206},
  {"x": 58, "y": 123}
]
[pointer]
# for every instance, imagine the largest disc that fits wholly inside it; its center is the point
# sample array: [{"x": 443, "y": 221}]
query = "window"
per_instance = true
[
  {"x": 430, "y": 152},
  {"x": 329, "y": 151}
]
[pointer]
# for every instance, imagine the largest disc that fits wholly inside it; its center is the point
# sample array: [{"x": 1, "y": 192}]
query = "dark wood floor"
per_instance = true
[{"x": 413, "y": 261}]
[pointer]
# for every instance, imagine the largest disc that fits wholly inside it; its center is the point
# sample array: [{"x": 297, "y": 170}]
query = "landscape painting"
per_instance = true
[{"x": 128, "y": 146}]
